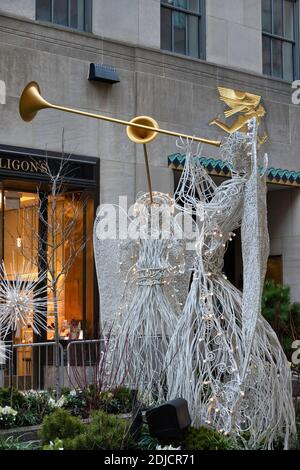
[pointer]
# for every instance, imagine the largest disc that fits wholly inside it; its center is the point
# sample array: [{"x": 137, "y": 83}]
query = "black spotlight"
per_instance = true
[{"x": 169, "y": 420}]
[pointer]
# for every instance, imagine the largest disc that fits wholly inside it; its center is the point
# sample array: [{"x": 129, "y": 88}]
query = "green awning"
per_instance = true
[{"x": 222, "y": 168}]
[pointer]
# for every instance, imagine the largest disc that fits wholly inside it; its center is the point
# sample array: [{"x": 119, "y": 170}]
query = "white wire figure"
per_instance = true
[
  {"x": 236, "y": 376},
  {"x": 205, "y": 348},
  {"x": 147, "y": 314},
  {"x": 266, "y": 410}
]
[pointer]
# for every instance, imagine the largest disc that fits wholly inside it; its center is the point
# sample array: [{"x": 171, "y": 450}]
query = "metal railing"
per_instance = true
[
  {"x": 83, "y": 352},
  {"x": 31, "y": 366},
  {"x": 81, "y": 359}
]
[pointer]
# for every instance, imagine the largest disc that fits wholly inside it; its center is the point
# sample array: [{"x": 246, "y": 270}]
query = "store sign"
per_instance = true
[
  {"x": 19, "y": 162},
  {"x": 27, "y": 166}
]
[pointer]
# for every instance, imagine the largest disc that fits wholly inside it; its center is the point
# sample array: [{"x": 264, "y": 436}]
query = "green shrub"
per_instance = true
[
  {"x": 30, "y": 405},
  {"x": 117, "y": 401},
  {"x": 105, "y": 432},
  {"x": 206, "y": 439},
  {"x": 12, "y": 443},
  {"x": 295, "y": 315},
  {"x": 36, "y": 405},
  {"x": 147, "y": 442},
  {"x": 192, "y": 439},
  {"x": 56, "y": 445},
  {"x": 75, "y": 402},
  {"x": 276, "y": 302},
  {"x": 281, "y": 313},
  {"x": 8, "y": 417},
  {"x": 60, "y": 424},
  {"x": 12, "y": 397}
]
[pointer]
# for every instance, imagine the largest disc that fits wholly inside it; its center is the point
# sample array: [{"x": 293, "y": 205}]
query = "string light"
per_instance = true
[
  {"x": 224, "y": 204},
  {"x": 150, "y": 316}
]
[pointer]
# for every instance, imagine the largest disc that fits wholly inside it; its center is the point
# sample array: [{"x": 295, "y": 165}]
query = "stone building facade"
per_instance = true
[{"x": 179, "y": 91}]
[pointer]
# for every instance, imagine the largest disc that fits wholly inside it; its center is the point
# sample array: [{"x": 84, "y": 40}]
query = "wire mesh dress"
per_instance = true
[
  {"x": 236, "y": 377},
  {"x": 147, "y": 314}
]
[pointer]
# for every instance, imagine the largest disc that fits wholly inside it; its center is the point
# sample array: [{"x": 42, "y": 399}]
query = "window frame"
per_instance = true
[
  {"x": 283, "y": 39},
  {"x": 88, "y": 16},
  {"x": 201, "y": 15}
]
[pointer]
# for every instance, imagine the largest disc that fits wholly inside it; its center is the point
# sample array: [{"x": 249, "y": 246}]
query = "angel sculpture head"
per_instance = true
[{"x": 247, "y": 104}]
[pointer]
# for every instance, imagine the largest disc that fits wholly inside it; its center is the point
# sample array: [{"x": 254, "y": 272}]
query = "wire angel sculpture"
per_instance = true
[
  {"x": 267, "y": 409},
  {"x": 152, "y": 256},
  {"x": 236, "y": 377},
  {"x": 23, "y": 301}
]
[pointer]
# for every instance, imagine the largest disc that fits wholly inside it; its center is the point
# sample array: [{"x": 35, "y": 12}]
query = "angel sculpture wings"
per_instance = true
[{"x": 240, "y": 102}]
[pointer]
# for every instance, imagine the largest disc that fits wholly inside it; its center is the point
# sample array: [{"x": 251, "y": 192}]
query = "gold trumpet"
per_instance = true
[{"x": 141, "y": 129}]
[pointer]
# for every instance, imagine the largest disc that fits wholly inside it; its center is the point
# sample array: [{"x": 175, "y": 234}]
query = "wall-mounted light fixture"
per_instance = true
[{"x": 103, "y": 73}]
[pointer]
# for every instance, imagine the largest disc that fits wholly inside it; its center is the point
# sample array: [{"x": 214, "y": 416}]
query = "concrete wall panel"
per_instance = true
[{"x": 24, "y": 8}]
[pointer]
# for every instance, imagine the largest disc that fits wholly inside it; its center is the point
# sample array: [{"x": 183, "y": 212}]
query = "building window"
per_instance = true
[
  {"x": 76, "y": 14},
  {"x": 280, "y": 38},
  {"x": 182, "y": 27}
]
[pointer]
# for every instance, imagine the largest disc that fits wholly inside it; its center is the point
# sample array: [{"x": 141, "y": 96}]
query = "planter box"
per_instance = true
[{"x": 25, "y": 434}]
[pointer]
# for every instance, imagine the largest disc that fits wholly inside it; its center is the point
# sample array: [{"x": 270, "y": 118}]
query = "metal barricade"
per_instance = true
[
  {"x": 82, "y": 359},
  {"x": 31, "y": 366}
]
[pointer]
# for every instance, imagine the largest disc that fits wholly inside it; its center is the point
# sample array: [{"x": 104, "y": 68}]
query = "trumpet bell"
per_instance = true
[
  {"x": 139, "y": 135},
  {"x": 31, "y": 102}
]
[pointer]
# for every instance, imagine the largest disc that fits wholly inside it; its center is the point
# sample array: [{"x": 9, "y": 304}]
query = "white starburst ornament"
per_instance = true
[{"x": 23, "y": 301}]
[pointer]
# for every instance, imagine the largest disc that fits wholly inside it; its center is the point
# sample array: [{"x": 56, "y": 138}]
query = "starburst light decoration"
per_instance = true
[{"x": 23, "y": 301}]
